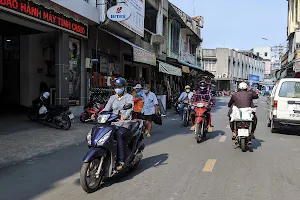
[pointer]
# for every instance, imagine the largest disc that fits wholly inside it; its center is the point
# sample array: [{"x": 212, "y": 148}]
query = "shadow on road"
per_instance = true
[{"x": 256, "y": 143}]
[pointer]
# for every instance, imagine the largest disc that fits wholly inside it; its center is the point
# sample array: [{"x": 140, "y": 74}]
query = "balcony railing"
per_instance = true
[{"x": 189, "y": 58}]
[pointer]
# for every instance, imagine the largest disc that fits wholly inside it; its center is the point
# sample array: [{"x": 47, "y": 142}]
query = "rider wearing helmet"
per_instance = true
[
  {"x": 116, "y": 103},
  {"x": 202, "y": 94},
  {"x": 242, "y": 99},
  {"x": 186, "y": 95}
]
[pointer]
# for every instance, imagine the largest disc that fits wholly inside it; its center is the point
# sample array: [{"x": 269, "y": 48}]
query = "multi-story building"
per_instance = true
[
  {"x": 290, "y": 61},
  {"x": 266, "y": 54},
  {"x": 232, "y": 66}
]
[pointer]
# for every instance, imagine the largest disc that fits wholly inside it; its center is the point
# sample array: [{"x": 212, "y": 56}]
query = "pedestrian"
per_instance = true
[
  {"x": 138, "y": 101},
  {"x": 150, "y": 108}
]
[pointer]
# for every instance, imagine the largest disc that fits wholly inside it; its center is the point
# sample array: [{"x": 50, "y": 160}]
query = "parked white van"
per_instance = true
[{"x": 284, "y": 104}]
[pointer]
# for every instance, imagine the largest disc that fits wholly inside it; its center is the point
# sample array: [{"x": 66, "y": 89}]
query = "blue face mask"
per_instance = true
[
  {"x": 119, "y": 90},
  {"x": 146, "y": 91}
]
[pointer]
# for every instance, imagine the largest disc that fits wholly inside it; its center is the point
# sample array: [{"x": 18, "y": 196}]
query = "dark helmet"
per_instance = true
[
  {"x": 120, "y": 81},
  {"x": 202, "y": 85}
]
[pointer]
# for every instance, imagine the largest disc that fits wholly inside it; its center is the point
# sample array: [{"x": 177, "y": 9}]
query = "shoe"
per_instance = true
[
  {"x": 192, "y": 128},
  {"x": 233, "y": 136},
  {"x": 119, "y": 166},
  {"x": 209, "y": 129},
  {"x": 147, "y": 133},
  {"x": 252, "y": 136}
]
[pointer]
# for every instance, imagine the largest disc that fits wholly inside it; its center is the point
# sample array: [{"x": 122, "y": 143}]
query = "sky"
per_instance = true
[{"x": 239, "y": 24}]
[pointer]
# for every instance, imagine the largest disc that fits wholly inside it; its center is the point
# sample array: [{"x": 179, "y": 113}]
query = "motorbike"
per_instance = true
[
  {"x": 100, "y": 161},
  {"x": 58, "y": 115},
  {"x": 201, "y": 121},
  {"x": 186, "y": 113},
  {"x": 242, "y": 128},
  {"x": 91, "y": 110}
]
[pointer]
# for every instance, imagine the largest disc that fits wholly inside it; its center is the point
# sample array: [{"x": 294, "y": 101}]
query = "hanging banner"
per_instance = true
[
  {"x": 169, "y": 69},
  {"x": 45, "y": 15},
  {"x": 74, "y": 71},
  {"x": 143, "y": 56}
]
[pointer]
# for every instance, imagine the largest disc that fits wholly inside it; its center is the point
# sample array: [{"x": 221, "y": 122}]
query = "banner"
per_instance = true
[
  {"x": 74, "y": 71},
  {"x": 169, "y": 69}
]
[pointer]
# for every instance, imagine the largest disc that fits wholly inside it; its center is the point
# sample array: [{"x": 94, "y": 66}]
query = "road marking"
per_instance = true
[
  {"x": 209, "y": 165},
  {"x": 282, "y": 139},
  {"x": 228, "y": 126},
  {"x": 222, "y": 138}
]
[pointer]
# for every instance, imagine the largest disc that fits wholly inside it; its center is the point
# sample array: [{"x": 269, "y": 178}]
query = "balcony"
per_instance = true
[{"x": 189, "y": 58}]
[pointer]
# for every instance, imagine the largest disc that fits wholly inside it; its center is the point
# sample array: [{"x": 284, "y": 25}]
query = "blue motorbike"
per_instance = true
[{"x": 100, "y": 161}]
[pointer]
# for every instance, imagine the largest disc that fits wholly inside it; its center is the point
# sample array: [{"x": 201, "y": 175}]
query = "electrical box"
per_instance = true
[{"x": 88, "y": 63}]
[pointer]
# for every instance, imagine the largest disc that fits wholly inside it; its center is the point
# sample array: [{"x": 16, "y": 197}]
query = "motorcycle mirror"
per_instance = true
[{"x": 127, "y": 106}]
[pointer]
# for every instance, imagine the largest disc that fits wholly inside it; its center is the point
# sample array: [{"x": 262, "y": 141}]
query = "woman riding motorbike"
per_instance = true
[
  {"x": 202, "y": 94},
  {"x": 116, "y": 103}
]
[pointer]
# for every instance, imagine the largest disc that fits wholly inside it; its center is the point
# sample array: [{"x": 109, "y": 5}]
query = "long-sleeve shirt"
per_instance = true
[
  {"x": 116, "y": 104},
  {"x": 243, "y": 99},
  {"x": 185, "y": 95},
  {"x": 201, "y": 97}
]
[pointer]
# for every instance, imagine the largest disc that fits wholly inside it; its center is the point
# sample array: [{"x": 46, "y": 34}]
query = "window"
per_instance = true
[
  {"x": 266, "y": 53},
  {"x": 175, "y": 32},
  {"x": 209, "y": 65},
  {"x": 290, "y": 89}
]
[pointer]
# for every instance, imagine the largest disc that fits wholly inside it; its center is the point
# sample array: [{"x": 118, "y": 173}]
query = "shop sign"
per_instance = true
[
  {"x": 185, "y": 69},
  {"x": 143, "y": 56},
  {"x": 45, "y": 15},
  {"x": 135, "y": 22},
  {"x": 118, "y": 13},
  {"x": 169, "y": 69}
]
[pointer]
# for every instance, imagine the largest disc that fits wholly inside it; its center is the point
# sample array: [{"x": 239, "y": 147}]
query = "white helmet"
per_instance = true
[
  {"x": 46, "y": 95},
  {"x": 243, "y": 86}
]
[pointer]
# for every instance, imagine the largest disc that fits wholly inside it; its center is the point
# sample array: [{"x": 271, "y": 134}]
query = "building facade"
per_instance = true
[{"x": 231, "y": 67}]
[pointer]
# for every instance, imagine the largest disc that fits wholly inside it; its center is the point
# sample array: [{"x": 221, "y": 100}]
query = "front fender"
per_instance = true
[
  {"x": 199, "y": 120},
  {"x": 93, "y": 153}
]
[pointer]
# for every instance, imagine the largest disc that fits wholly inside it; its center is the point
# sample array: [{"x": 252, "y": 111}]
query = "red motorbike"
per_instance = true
[
  {"x": 91, "y": 111},
  {"x": 201, "y": 121}
]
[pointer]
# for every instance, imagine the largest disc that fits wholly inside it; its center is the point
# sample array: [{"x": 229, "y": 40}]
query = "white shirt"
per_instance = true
[
  {"x": 150, "y": 101},
  {"x": 185, "y": 95}
]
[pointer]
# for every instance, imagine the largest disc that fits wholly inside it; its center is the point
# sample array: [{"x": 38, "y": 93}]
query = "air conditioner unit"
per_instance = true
[{"x": 224, "y": 75}]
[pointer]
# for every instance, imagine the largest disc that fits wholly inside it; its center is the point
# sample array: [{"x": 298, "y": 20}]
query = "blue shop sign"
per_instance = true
[{"x": 253, "y": 78}]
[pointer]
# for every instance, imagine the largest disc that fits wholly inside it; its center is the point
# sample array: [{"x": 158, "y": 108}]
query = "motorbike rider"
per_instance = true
[
  {"x": 116, "y": 103},
  {"x": 202, "y": 94},
  {"x": 243, "y": 99},
  {"x": 186, "y": 95}
]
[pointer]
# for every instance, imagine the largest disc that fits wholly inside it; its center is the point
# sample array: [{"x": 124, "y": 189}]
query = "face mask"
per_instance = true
[
  {"x": 119, "y": 90},
  {"x": 146, "y": 91},
  {"x": 187, "y": 90}
]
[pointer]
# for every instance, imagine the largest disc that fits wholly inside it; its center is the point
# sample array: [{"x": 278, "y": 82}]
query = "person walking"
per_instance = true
[
  {"x": 150, "y": 108},
  {"x": 138, "y": 101}
]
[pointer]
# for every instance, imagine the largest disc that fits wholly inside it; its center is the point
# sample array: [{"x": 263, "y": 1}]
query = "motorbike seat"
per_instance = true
[{"x": 134, "y": 126}]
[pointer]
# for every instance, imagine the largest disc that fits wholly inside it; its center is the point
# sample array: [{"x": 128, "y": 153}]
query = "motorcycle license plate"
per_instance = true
[
  {"x": 243, "y": 132},
  {"x": 71, "y": 116}
]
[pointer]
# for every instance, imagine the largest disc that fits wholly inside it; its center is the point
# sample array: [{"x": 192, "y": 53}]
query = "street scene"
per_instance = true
[
  {"x": 149, "y": 100},
  {"x": 174, "y": 166}
]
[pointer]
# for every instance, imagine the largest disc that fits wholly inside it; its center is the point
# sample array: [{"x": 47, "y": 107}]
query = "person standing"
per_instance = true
[
  {"x": 138, "y": 101},
  {"x": 150, "y": 108}
]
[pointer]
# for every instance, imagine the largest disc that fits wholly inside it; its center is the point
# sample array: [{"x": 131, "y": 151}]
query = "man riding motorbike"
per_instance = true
[
  {"x": 202, "y": 94},
  {"x": 242, "y": 99},
  {"x": 116, "y": 103},
  {"x": 186, "y": 95}
]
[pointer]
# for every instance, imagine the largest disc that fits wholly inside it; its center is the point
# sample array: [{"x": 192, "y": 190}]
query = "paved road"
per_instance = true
[{"x": 174, "y": 167}]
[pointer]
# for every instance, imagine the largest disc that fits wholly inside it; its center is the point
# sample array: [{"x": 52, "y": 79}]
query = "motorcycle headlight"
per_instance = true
[
  {"x": 102, "y": 119},
  {"x": 104, "y": 138},
  {"x": 89, "y": 137},
  {"x": 200, "y": 105},
  {"x": 192, "y": 107}
]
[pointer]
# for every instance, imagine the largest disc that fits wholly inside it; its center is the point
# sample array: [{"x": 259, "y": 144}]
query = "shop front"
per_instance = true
[{"x": 37, "y": 45}]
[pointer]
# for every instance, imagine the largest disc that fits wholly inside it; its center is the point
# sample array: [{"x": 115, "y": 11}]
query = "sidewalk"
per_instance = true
[{"x": 29, "y": 139}]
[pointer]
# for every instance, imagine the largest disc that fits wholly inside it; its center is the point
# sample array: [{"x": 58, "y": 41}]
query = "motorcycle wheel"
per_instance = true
[
  {"x": 82, "y": 118},
  {"x": 199, "y": 132},
  {"x": 185, "y": 120},
  {"x": 243, "y": 144},
  {"x": 32, "y": 116},
  {"x": 66, "y": 122},
  {"x": 89, "y": 172}
]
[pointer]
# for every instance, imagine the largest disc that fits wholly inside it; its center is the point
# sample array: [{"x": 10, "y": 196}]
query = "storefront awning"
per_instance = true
[
  {"x": 139, "y": 54},
  {"x": 189, "y": 65},
  {"x": 169, "y": 69}
]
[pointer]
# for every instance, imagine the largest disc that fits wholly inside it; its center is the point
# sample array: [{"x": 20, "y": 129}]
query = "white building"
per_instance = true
[{"x": 231, "y": 67}]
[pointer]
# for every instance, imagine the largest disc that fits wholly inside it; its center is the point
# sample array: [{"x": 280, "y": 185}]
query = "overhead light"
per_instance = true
[{"x": 8, "y": 40}]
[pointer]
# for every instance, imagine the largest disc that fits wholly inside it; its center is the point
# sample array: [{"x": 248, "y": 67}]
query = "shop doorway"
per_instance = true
[{"x": 10, "y": 64}]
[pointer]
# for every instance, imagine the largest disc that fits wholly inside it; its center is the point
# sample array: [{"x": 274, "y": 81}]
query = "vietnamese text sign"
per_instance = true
[
  {"x": 143, "y": 56},
  {"x": 135, "y": 22},
  {"x": 39, "y": 12}
]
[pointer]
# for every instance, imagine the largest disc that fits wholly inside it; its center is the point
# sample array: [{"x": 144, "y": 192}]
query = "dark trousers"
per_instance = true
[
  {"x": 120, "y": 134},
  {"x": 254, "y": 124}
]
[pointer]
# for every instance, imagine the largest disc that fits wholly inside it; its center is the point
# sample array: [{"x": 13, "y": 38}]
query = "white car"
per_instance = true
[{"x": 284, "y": 104}]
